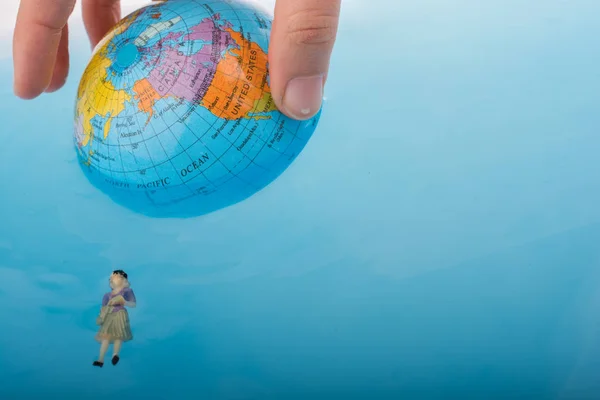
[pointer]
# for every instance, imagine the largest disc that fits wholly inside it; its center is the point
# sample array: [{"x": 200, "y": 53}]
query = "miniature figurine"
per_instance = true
[{"x": 113, "y": 318}]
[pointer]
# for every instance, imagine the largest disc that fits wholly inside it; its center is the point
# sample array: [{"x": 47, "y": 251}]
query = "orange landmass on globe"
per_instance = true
[
  {"x": 146, "y": 96},
  {"x": 239, "y": 88}
]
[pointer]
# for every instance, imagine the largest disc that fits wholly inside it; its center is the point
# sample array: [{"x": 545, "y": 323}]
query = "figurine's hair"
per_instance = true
[
  {"x": 120, "y": 272},
  {"x": 123, "y": 274}
]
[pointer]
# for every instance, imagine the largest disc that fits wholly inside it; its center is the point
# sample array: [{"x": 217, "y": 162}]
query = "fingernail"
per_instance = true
[{"x": 303, "y": 96}]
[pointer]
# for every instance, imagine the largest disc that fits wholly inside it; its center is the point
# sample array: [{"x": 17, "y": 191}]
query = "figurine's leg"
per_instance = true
[
  {"x": 103, "y": 349},
  {"x": 116, "y": 350}
]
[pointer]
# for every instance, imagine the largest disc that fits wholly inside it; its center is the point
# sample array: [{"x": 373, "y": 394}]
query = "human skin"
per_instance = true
[{"x": 302, "y": 41}]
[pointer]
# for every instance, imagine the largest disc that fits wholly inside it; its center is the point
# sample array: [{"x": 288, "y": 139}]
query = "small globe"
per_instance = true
[{"x": 174, "y": 115}]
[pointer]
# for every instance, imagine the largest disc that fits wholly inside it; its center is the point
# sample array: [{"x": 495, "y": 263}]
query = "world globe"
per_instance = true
[{"x": 174, "y": 115}]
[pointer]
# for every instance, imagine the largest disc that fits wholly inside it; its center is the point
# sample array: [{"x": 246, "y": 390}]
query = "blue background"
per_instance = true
[{"x": 437, "y": 238}]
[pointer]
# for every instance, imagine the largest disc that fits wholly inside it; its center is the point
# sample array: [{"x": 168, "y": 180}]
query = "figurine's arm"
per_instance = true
[
  {"x": 104, "y": 301},
  {"x": 129, "y": 298}
]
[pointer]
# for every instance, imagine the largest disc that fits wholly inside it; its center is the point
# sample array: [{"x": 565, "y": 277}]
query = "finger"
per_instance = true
[
  {"x": 99, "y": 16},
  {"x": 61, "y": 68},
  {"x": 38, "y": 32},
  {"x": 302, "y": 40}
]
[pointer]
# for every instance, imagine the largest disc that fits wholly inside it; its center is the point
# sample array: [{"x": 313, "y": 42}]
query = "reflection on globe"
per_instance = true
[{"x": 174, "y": 115}]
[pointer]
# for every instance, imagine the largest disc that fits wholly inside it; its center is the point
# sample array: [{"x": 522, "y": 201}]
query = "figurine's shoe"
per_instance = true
[
  {"x": 98, "y": 364},
  {"x": 115, "y": 360}
]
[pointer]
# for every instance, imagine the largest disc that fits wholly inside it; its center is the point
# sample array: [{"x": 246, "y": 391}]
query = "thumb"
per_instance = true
[{"x": 302, "y": 40}]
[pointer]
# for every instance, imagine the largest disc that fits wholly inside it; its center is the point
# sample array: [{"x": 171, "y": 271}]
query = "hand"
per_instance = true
[
  {"x": 116, "y": 301},
  {"x": 302, "y": 40},
  {"x": 41, "y": 39}
]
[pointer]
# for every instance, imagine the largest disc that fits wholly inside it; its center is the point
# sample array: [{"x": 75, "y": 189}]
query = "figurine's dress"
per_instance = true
[{"x": 114, "y": 320}]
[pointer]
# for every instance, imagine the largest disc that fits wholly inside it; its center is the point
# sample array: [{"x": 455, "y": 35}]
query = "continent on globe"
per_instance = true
[
  {"x": 250, "y": 97},
  {"x": 183, "y": 75},
  {"x": 97, "y": 107},
  {"x": 174, "y": 115},
  {"x": 146, "y": 96}
]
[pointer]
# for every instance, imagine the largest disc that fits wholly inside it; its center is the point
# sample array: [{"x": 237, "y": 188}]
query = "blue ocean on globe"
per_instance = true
[
  {"x": 435, "y": 238},
  {"x": 174, "y": 114}
]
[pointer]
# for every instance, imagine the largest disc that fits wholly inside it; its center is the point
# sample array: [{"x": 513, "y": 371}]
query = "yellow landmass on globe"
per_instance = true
[
  {"x": 239, "y": 88},
  {"x": 98, "y": 97}
]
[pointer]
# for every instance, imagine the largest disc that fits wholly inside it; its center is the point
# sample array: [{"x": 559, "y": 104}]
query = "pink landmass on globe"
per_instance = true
[{"x": 189, "y": 77}]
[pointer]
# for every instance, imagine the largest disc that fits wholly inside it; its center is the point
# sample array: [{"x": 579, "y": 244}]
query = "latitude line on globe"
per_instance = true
[
  {"x": 108, "y": 151},
  {"x": 262, "y": 93},
  {"x": 218, "y": 159},
  {"x": 136, "y": 144},
  {"x": 170, "y": 159},
  {"x": 93, "y": 137},
  {"x": 199, "y": 140},
  {"x": 183, "y": 72},
  {"x": 154, "y": 165},
  {"x": 211, "y": 127},
  {"x": 170, "y": 126},
  {"x": 128, "y": 37},
  {"x": 293, "y": 134},
  {"x": 244, "y": 128},
  {"x": 124, "y": 117}
]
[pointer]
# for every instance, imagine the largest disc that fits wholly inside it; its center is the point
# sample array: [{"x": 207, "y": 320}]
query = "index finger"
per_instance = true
[{"x": 35, "y": 43}]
